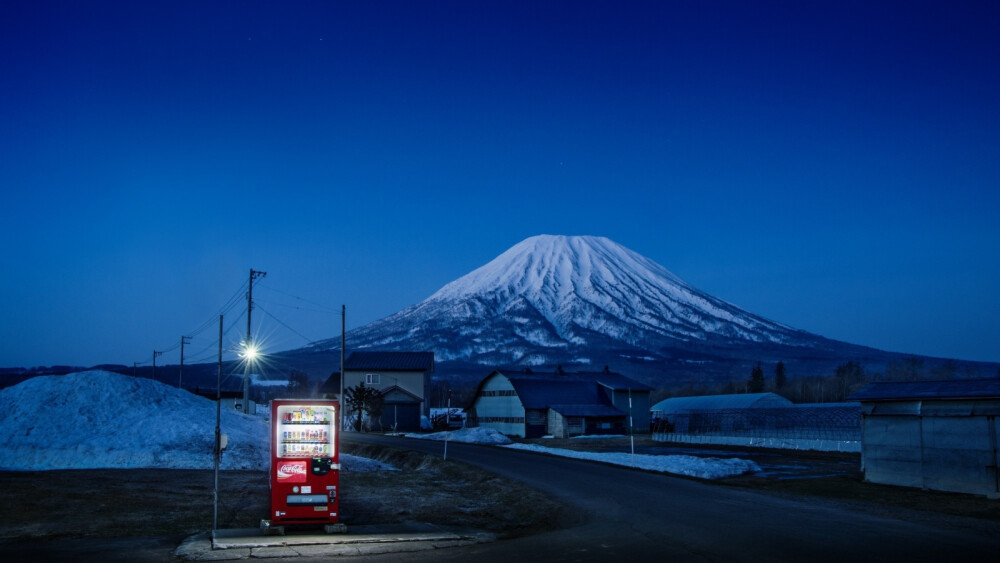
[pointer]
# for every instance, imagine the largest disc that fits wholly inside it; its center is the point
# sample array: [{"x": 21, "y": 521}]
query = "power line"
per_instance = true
[
  {"x": 210, "y": 348},
  {"x": 325, "y": 308},
  {"x": 279, "y": 321},
  {"x": 212, "y": 321}
]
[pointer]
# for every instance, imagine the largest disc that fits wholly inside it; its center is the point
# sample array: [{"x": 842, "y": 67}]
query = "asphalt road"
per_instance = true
[{"x": 623, "y": 514}]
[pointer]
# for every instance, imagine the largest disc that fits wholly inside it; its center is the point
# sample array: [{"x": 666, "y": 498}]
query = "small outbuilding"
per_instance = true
[
  {"x": 560, "y": 404},
  {"x": 940, "y": 435}
]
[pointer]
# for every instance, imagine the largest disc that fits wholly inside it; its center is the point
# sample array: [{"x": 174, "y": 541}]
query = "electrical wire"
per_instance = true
[
  {"x": 233, "y": 324},
  {"x": 324, "y": 308},
  {"x": 208, "y": 353},
  {"x": 282, "y": 323},
  {"x": 230, "y": 303}
]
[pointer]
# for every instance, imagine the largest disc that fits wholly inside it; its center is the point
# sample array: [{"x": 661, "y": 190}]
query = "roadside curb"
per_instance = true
[{"x": 362, "y": 540}]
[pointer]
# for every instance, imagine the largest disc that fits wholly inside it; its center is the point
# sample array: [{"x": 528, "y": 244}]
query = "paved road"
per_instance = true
[{"x": 640, "y": 516}]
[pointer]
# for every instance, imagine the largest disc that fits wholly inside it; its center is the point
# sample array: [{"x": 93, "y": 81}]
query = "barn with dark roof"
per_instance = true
[
  {"x": 940, "y": 435},
  {"x": 560, "y": 404}
]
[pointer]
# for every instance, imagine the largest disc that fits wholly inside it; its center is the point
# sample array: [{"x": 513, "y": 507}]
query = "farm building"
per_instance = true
[
  {"x": 758, "y": 419},
  {"x": 560, "y": 404},
  {"x": 940, "y": 435},
  {"x": 668, "y": 409}
]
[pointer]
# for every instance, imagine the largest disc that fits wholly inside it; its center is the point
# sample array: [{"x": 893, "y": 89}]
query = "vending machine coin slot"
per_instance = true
[{"x": 320, "y": 465}]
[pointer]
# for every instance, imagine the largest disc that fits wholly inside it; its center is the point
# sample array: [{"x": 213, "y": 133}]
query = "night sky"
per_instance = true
[{"x": 834, "y": 166}]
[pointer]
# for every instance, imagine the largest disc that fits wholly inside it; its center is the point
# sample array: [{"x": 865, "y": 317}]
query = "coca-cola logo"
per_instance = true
[{"x": 292, "y": 471}]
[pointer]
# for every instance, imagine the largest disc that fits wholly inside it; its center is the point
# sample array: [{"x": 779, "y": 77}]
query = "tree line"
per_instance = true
[{"x": 846, "y": 379}]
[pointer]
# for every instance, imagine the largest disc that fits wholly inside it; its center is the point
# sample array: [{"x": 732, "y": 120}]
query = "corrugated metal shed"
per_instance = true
[
  {"x": 720, "y": 402},
  {"x": 940, "y": 435},
  {"x": 932, "y": 390}
]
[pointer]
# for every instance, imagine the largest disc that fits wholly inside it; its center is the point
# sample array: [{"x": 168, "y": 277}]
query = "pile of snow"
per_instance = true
[
  {"x": 702, "y": 467},
  {"x": 354, "y": 463},
  {"x": 98, "y": 419},
  {"x": 476, "y": 435}
]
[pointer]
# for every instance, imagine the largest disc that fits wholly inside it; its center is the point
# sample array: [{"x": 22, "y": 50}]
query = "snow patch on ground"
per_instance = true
[
  {"x": 476, "y": 435},
  {"x": 97, "y": 419},
  {"x": 350, "y": 462},
  {"x": 692, "y": 466},
  {"x": 702, "y": 467}
]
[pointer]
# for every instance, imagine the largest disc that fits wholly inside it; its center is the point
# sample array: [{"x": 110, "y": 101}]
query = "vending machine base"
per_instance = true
[{"x": 268, "y": 530}]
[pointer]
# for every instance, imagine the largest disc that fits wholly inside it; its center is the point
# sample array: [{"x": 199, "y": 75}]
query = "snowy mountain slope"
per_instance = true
[{"x": 576, "y": 299}]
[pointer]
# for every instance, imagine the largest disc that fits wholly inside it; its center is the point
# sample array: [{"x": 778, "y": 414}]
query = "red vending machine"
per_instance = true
[{"x": 305, "y": 463}]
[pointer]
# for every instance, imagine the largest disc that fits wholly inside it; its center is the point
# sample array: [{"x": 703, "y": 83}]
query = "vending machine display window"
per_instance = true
[{"x": 305, "y": 462}]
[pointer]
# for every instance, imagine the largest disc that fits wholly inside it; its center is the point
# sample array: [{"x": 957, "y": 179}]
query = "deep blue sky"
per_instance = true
[{"x": 834, "y": 166}]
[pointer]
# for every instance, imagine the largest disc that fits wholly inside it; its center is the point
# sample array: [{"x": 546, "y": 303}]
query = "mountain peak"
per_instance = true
[
  {"x": 550, "y": 269},
  {"x": 554, "y": 298}
]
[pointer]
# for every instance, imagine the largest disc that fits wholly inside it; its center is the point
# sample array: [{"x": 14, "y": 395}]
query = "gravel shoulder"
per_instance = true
[{"x": 108, "y": 503}]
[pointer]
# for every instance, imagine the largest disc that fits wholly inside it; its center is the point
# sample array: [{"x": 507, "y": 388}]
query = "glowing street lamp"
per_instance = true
[{"x": 250, "y": 353}]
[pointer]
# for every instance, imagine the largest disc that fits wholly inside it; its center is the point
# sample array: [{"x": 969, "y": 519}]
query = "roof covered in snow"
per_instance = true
[
  {"x": 929, "y": 390},
  {"x": 721, "y": 402},
  {"x": 389, "y": 361}
]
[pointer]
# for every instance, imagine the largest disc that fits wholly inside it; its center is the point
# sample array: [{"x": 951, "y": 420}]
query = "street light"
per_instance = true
[{"x": 250, "y": 353}]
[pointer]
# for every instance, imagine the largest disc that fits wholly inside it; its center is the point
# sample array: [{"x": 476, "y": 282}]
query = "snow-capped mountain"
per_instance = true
[{"x": 573, "y": 299}]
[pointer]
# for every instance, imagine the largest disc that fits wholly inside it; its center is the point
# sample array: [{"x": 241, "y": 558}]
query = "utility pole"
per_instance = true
[
  {"x": 447, "y": 431},
  {"x": 254, "y": 274},
  {"x": 340, "y": 397},
  {"x": 133, "y": 368},
  {"x": 218, "y": 435},
  {"x": 180, "y": 374},
  {"x": 155, "y": 354}
]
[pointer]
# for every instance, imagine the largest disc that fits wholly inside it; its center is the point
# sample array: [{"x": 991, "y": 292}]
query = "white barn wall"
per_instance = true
[
  {"x": 939, "y": 445},
  {"x": 891, "y": 450},
  {"x": 957, "y": 454},
  {"x": 499, "y": 408}
]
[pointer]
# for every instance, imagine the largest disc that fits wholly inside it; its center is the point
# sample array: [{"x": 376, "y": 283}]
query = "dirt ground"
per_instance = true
[
  {"x": 173, "y": 504},
  {"x": 148, "y": 502}
]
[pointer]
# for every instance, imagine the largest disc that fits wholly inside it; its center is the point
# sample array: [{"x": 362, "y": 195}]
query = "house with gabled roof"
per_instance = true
[
  {"x": 403, "y": 378},
  {"x": 560, "y": 404}
]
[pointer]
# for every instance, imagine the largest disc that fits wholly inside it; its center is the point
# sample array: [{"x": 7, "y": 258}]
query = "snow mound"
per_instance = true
[
  {"x": 476, "y": 435},
  {"x": 354, "y": 463},
  {"x": 692, "y": 466},
  {"x": 98, "y": 419}
]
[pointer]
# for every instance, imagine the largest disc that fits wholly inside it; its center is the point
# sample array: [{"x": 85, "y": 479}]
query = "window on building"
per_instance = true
[{"x": 373, "y": 379}]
